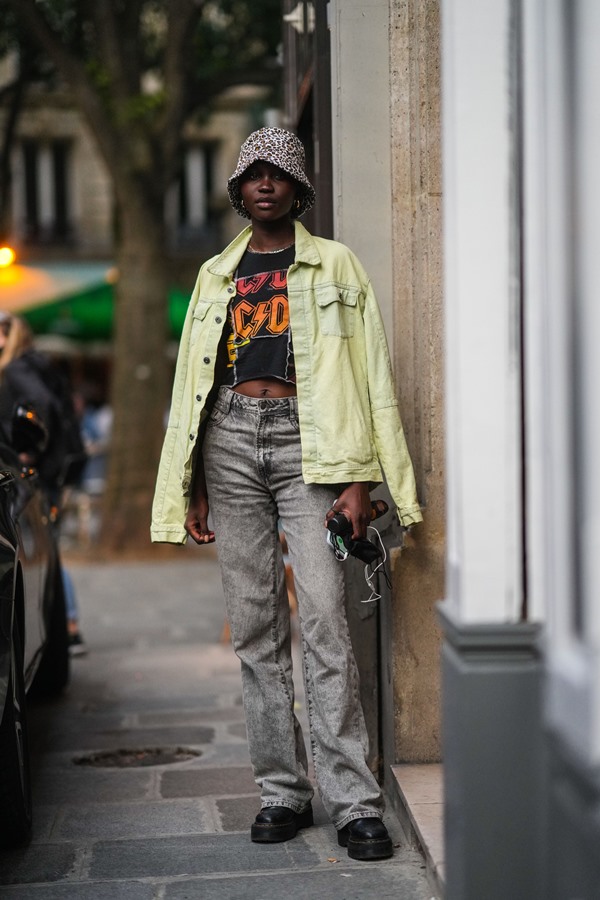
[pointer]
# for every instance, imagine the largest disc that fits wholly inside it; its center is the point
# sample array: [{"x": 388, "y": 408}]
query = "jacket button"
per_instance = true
[
  {"x": 198, "y": 397},
  {"x": 206, "y": 360},
  {"x": 191, "y": 437},
  {"x": 218, "y": 320},
  {"x": 230, "y": 290}
]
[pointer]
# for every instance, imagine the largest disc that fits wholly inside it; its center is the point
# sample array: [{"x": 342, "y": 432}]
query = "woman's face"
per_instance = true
[{"x": 267, "y": 191}]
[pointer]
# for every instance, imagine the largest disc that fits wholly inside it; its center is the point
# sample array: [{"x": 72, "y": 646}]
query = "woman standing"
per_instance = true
[{"x": 284, "y": 408}]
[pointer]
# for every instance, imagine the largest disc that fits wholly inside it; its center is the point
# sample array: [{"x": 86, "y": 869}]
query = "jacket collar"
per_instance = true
[{"x": 227, "y": 262}]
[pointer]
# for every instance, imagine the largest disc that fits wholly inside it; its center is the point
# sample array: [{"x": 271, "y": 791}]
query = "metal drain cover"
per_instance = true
[{"x": 126, "y": 759}]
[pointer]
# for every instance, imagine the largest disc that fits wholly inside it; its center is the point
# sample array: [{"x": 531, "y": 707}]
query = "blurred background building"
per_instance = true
[{"x": 60, "y": 215}]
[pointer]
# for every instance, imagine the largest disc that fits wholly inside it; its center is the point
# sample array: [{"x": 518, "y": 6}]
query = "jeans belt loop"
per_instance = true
[{"x": 226, "y": 397}]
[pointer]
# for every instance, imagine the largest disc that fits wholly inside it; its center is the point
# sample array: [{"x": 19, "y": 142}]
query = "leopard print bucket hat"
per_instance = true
[{"x": 281, "y": 148}]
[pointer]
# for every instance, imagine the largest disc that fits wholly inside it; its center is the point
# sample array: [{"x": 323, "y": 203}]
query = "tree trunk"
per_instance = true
[{"x": 140, "y": 375}]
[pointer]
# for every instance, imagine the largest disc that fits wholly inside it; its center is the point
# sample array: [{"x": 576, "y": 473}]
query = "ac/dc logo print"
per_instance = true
[{"x": 259, "y": 310}]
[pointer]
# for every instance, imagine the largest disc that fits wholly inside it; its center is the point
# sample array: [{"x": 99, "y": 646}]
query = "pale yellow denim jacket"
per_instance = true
[{"x": 350, "y": 428}]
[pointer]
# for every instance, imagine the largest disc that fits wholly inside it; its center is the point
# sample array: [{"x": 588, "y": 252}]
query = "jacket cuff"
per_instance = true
[
  {"x": 410, "y": 516},
  {"x": 168, "y": 535}
]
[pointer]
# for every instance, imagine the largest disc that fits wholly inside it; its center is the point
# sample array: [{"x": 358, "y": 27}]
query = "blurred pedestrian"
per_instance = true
[
  {"x": 29, "y": 378},
  {"x": 96, "y": 429},
  {"x": 284, "y": 407},
  {"x": 24, "y": 380}
]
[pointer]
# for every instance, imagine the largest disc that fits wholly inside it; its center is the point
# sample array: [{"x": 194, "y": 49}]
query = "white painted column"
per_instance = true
[
  {"x": 482, "y": 316},
  {"x": 195, "y": 170},
  {"x": 549, "y": 339},
  {"x": 172, "y": 209},
  {"x": 45, "y": 186},
  {"x": 18, "y": 193}
]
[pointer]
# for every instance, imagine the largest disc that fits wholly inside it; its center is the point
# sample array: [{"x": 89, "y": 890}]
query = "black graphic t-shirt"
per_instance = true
[{"x": 259, "y": 339}]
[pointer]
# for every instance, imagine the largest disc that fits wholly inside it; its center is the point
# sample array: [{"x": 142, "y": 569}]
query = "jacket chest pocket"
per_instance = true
[
  {"x": 207, "y": 314},
  {"x": 202, "y": 309},
  {"x": 336, "y": 307}
]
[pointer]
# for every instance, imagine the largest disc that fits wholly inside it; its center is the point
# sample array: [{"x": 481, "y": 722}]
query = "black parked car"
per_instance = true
[{"x": 34, "y": 651}]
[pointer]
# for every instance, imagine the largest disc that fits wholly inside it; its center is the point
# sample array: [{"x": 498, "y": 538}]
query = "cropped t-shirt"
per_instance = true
[{"x": 258, "y": 334}]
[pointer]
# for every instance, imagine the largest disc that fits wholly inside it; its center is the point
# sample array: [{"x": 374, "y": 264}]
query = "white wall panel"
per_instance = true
[
  {"x": 482, "y": 315},
  {"x": 562, "y": 265}
]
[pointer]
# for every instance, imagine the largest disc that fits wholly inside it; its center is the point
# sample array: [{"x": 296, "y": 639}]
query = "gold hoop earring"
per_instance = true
[{"x": 297, "y": 204}]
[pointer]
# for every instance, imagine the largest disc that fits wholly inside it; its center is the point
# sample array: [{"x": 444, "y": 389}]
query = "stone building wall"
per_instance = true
[{"x": 418, "y": 336}]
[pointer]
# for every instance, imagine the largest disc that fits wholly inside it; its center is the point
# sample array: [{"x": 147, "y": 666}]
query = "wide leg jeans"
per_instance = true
[{"x": 252, "y": 462}]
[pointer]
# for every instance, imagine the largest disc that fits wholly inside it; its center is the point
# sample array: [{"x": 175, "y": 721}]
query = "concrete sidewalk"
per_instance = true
[{"x": 158, "y": 677}]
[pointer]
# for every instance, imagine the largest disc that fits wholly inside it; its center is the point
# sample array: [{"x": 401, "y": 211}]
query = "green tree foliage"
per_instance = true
[{"x": 138, "y": 70}]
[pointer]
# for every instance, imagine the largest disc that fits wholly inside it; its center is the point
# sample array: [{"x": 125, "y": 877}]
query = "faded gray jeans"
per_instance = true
[{"x": 252, "y": 462}]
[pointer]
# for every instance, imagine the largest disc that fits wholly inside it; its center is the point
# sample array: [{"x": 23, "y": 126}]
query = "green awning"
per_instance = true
[
  {"x": 88, "y": 314},
  {"x": 73, "y": 300}
]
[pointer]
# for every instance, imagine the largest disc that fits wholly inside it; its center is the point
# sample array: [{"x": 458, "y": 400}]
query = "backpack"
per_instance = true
[{"x": 66, "y": 456}]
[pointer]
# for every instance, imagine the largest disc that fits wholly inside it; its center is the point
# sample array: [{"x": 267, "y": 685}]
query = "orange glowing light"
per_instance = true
[{"x": 7, "y": 256}]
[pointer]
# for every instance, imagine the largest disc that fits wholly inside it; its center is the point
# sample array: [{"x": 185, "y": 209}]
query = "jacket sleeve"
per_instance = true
[
  {"x": 170, "y": 504},
  {"x": 390, "y": 442}
]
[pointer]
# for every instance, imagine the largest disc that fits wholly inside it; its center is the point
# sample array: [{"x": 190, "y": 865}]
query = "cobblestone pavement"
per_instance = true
[{"x": 159, "y": 676}]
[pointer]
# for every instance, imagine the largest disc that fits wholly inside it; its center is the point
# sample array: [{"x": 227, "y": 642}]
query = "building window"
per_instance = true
[
  {"x": 46, "y": 200},
  {"x": 190, "y": 212}
]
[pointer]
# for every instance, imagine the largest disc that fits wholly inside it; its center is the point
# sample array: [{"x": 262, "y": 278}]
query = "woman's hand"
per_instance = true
[
  {"x": 196, "y": 521},
  {"x": 355, "y": 503}
]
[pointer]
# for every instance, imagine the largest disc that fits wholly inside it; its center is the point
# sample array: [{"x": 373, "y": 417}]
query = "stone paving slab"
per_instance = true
[
  {"x": 127, "y": 890},
  {"x": 48, "y": 862},
  {"x": 91, "y": 704},
  {"x": 90, "y": 738},
  {"x": 236, "y": 815},
  {"x": 238, "y": 729},
  {"x": 195, "y": 855},
  {"x": 85, "y": 784},
  {"x": 224, "y": 754},
  {"x": 337, "y": 884},
  {"x": 192, "y": 716},
  {"x": 131, "y": 820},
  {"x": 202, "y": 782},
  {"x": 44, "y": 821}
]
